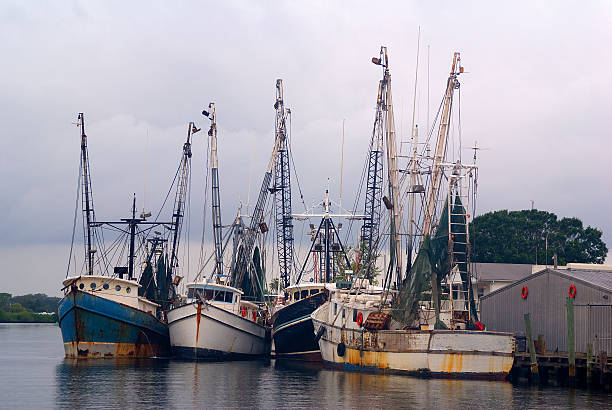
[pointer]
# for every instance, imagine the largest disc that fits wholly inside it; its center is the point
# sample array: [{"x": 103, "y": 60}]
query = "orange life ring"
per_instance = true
[
  {"x": 359, "y": 318},
  {"x": 572, "y": 291},
  {"x": 524, "y": 292},
  {"x": 243, "y": 311}
]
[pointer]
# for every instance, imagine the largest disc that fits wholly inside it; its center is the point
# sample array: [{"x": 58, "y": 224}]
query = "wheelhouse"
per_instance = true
[
  {"x": 213, "y": 293},
  {"x": 302, "y": 291}
]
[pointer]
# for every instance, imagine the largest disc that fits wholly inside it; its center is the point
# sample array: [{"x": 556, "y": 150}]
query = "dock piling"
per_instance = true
[
  {"x": 532, "y": 352},
  {"x": 571, "y": 340},
  {"x": 589, "y": 364}
]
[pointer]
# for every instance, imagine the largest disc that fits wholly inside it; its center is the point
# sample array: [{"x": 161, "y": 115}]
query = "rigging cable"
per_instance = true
[{"x": 76, "y": 207}]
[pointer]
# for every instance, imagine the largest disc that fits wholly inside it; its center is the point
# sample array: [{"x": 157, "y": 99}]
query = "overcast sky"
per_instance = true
[{"x": 536, "y": 93}]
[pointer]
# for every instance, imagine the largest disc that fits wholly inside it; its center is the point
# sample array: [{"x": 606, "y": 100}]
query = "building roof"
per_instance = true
[
  {"x": 599, "y": 278},
  {"x": 502, "y": 271}
]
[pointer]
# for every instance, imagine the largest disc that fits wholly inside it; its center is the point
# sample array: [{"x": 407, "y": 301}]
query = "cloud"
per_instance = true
[{"x": 535, "y": 93}]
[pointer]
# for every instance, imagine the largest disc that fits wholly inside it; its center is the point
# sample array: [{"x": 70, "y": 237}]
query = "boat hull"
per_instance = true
[
  {"x": 293, "y": 331},
  {"x": 434, "y": 353},
  {"x": 211, "y": 333},
  {"x": 95, "y": 327}
]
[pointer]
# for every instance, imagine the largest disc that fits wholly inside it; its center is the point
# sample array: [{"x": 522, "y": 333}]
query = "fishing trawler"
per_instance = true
[
  {"x": 113, "y": 314},
  {"x": 395, "y": 328},
  {"x": 215, "y": 320},
  {"x": 292, "y": 328}
]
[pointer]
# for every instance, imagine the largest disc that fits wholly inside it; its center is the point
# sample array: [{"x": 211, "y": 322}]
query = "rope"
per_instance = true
[{"x": 76, "y": 207}]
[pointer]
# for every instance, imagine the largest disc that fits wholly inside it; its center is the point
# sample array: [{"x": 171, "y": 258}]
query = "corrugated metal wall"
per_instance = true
[{"x": 546, "y": 303}]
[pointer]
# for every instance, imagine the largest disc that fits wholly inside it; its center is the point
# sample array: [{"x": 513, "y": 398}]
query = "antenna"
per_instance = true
[
  {"x": 416, "y": 78},
  {"x": 341, "y": 162}
]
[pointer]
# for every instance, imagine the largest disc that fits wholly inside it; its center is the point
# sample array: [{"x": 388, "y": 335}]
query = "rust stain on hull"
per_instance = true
[
  {"x": 452, "y": 363},
  {"x": 198, "y": 317},
  {"x": 95, "y": 350},
  {"x": 367, "y": 358}
]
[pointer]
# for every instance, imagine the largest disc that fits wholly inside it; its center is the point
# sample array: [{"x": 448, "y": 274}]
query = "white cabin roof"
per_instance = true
[
  {"x": 104, "y": 279},
  {"x": 215, "y": 286}
]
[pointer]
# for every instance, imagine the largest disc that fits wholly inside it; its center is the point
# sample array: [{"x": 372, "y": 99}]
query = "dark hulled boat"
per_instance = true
[{"x": 292, "y": 329}]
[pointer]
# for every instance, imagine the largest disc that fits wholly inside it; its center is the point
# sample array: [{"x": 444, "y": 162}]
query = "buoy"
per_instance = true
[
  {"x": 359, "y": 318},
  {"x": 524, "y": 292},
  {"x": 341, "y": 349},
  {"x": 243, "y": 311},
  {"x": 572, "y": 291}
]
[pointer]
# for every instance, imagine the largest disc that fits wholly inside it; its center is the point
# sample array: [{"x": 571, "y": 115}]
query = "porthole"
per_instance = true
[
  {"x": 81, "y": 286},
  {"x": 105, "y": 286},
  {"x": 118, "y": 288},
  {"x": 92, "y": 285},
  {"x": 128, "y": 290}
]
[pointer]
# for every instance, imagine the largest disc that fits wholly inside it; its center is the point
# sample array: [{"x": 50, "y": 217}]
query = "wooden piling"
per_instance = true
[
  {"x": 532, "y": 352},
  {"x": 589, "y": 364},
  {"x": 571, "y": 340}
]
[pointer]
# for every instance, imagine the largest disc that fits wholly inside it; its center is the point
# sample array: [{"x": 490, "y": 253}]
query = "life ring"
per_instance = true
[
  {"x": 243, "y": 311},
  {"x": 572, "y": 291},
  {"x": 254, "y": 316},
  {"x": 359, "y": 318},
  {"x": 524, "y": 292}
]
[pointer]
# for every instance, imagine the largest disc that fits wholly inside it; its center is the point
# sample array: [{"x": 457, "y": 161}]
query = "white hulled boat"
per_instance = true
[
  {"x": 215, "y": 323},
  {"x": 356, "y": 334},
  {"x": 372, "y": 328}
]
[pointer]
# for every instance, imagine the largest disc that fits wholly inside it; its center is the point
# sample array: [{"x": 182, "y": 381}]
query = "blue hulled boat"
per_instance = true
[
  {"x": 111, "y": 313},
  {"x": 100, "y": 317}
]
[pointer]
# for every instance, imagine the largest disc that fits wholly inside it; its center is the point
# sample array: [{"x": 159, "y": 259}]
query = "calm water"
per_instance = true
[{"x": 34, "y": 374}]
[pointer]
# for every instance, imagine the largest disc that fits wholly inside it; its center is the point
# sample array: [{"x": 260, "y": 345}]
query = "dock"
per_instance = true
[{"x": 553, "y": 368}]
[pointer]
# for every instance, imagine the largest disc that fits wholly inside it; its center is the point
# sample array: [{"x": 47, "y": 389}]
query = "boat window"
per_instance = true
[
  {"x": 209, "y": 294},
  {"x": 304, "y": 294},
  {"x": 335, "y": 308},
  {"x": 296, "y": 296},
  {"x": 219, "y": 296},
  {"x": 118, "y": 288},
  {"x": 105, "y": 286},
  {"x": 287, "y": 296},
  {"x": 92, "y": 285},
  {"x": 81, "y": 286},
  {"x": 228, "y": 297},
  {"x": 343, "y": 313},
  {"x": 354, "y": 315},
  {"x": 128, "y": 290},
  {"x": 314, "y": 291},
  {"x": 191, "y": 293}
]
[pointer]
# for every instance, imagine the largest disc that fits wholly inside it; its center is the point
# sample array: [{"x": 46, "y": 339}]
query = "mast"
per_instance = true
[
  {"x": 323, "y": 241},
  {"x": 179, "y": 200},
  {"x": 393, "y": 180},
  {"x": 441, "y": 144},
  {"x": 282, "y": 191},
  {"x": 87, "y": 198},
  {"x": 216, "y": 198},
  {"x": 245, "y": 252},
  {"x": 374, "y": 181},
  {"x": 132, "y": 222}
]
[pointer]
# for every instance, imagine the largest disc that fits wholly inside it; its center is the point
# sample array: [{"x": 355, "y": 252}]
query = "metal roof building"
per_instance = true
[{"x": 543, "y": 295}]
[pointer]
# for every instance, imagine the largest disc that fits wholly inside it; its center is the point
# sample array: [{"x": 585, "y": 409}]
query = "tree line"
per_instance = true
[
  {"x": 32, "y": 308},
  {"x": 534, "y": 237}
]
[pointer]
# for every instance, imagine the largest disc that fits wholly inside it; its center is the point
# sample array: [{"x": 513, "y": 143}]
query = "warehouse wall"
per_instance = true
[{"x": 546, "y": 303}]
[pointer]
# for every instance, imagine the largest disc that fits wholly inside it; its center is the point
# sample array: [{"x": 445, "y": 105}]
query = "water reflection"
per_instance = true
[
  {"x": 118, "y": 383},
  {"x": 157, "y": 383}
]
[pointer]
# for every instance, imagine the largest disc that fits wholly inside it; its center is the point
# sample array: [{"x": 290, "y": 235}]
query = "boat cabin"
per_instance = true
[
  {"x": 302, "y": 291},
  {"x": 224, "y": 297},
  {"x": 118, "y": 290},
  {"x": 350, "y": 308}
]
